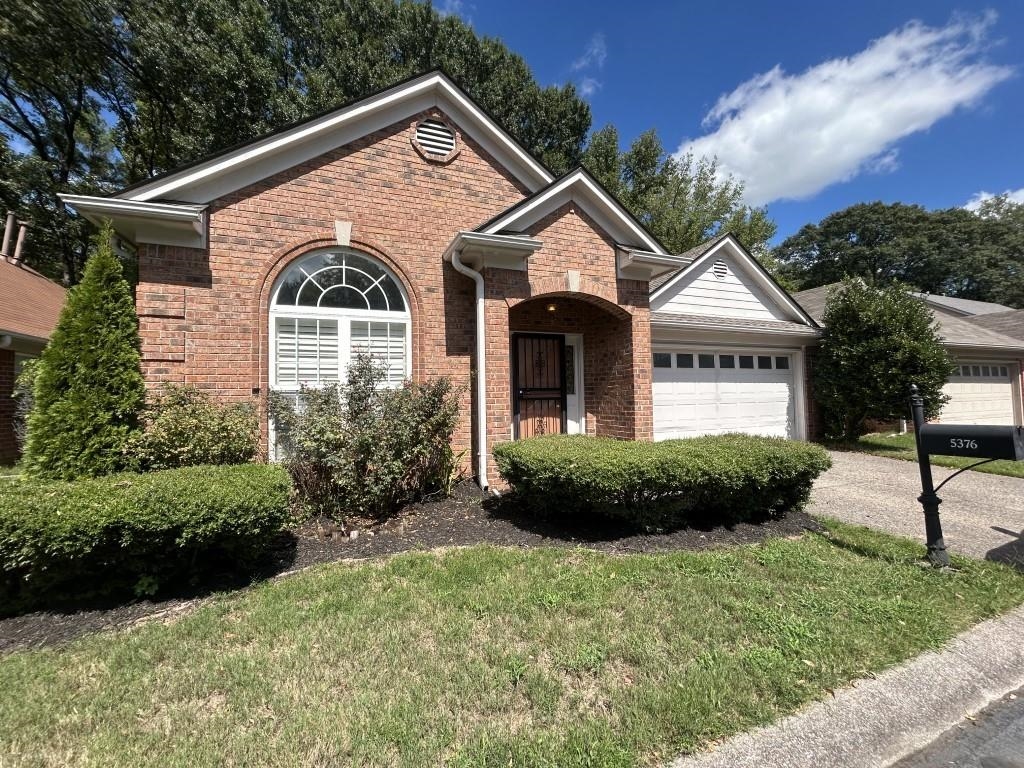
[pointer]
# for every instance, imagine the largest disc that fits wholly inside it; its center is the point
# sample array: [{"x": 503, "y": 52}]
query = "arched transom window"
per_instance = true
[{"x": 329, "y": 306}]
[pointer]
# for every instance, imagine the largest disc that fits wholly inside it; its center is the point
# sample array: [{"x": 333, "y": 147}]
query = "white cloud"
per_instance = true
[
  {"x": 589, "y": 86},
  {"x": 790, "y": 136},
  {"x": 453, "y": 8},
  {"x": 1014, "y": 195},
  {"x": 594, "y": 56}
]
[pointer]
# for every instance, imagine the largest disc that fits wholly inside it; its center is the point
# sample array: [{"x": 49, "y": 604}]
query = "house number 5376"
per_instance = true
[{"x": 959, "y": 442}]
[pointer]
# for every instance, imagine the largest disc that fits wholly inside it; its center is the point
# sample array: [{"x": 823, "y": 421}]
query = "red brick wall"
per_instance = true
[
  {"x": 8, "y": 447},
  {"x": 204, "y": 316}
]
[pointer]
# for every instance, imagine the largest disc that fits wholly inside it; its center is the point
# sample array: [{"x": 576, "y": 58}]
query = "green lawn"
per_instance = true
[
  {"x": 902, "y": 447},
  {"x": 494, "y": 657},
  {"x": 9, "y": 470}
]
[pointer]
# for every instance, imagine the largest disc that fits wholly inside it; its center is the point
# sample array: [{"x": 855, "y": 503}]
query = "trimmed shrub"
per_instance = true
[
  {"x": 366, "y": 448},
  {"x": 88, "y": 386},
  {"x": 728, "y": 478},
  {"x": 61, "y": 542},
  {"x": 184, "y": 427}
]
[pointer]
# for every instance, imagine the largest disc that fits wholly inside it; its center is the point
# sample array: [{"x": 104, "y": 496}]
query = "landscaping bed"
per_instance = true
[
  {"x": 496, "y": 656},
  {"x": 465, "y": 519}
]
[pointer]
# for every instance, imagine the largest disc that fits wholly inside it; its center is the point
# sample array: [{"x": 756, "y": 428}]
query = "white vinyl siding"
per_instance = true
[{"x": 732, "y": 295}]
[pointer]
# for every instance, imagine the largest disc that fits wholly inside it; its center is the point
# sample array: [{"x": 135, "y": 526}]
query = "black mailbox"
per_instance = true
[{"x": 983, "y": 442}]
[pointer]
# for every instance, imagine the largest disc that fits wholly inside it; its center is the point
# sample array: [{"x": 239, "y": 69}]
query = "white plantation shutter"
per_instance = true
[
  {"x": 384, "y": 341},
  {"x": 306, "y": 351}
]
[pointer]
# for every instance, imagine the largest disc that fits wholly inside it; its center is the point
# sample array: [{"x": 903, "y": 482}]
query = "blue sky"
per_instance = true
[{"x": 814, "y": 105}]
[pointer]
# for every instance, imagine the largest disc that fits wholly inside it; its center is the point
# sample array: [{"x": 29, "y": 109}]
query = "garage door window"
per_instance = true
[
  {"x": 746, "y": 361},
  {"x": 727, "y": 361},
  {"x": 982, "y": 371},
  {"x": 782, "y": 363},
  {"x": 706, "y": 361},
  {"x": 662, "y": 360},
  {"x": 684, "y": 361}
]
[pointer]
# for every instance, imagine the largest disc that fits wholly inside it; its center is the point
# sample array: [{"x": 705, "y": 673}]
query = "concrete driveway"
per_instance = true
[{"x": 982, "y": 515}]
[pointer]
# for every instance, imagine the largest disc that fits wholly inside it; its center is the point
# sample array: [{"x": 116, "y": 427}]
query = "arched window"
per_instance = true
[{"x": 327, "y": 307}]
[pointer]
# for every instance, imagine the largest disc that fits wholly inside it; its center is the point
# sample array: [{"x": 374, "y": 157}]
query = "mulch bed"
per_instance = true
[{"x": 465, "y": 519}]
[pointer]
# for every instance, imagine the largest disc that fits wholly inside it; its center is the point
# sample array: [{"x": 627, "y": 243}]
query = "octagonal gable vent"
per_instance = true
[
  {"x": 435, "y": 138},
  {"x": 720, "y": 268}
]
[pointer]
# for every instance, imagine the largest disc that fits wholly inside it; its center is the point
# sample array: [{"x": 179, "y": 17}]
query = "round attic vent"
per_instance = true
[
  {"x": 720, "y": 269},
  {"x": 435, "y": 138}
]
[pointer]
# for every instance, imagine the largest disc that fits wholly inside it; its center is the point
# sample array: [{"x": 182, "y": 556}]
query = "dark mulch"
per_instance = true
[{"x": 462, "y": 520}]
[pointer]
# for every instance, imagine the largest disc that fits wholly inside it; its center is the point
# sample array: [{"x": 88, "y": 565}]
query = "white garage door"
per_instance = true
[
  {"x": 980, "y": 393},
  {"x": 709, "y": 392}
]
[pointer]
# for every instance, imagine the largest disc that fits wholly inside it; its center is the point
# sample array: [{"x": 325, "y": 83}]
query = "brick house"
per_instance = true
[
  {"x": 30, "y": 305},
  {"x": 411, "y": 225}
]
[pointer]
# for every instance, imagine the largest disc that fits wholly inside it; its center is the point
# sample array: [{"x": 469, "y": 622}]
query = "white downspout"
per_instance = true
[{"x": 481, "y": 365}]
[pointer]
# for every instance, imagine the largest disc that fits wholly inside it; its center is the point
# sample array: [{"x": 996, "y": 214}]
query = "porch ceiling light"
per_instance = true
[{"x": 552, "y": 307}]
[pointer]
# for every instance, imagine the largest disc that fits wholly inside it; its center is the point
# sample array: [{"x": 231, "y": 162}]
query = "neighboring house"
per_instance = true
[
  {"x": 987, "y": 386},
  {"x": 1009, "y": 323},
  {"x": 411, "y": 225},
  {"x": 29, "y": 307}
]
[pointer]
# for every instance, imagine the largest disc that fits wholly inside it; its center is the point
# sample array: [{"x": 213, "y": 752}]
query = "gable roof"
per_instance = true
[
  {"x": 687, "y": 257},
  {"x": 1007, "y": 323},
  {"x": 29, "y": 303},
  {"x": 219, "y": 174},
  {"x": 700, "y": 256},
  {"x": 953, "y": 330},
  {"x": 582, "y": 188},
  {"x": 962, "y": 306}
]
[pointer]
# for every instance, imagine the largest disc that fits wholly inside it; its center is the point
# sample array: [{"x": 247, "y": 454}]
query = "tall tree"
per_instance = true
[
  {"x": 956, "y": 252},
  {"x": 88, "y": 386},
  {"x": 682, "y": 201},
  {"x": 96, "y": 93}
]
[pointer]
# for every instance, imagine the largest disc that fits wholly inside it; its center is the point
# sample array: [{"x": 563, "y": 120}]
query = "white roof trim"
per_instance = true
[
  {"x": 434, "y": 87},
  {"x": 580, "y": 189},
  {"x": 142, "y": 222},
  {"x": 753, "y": 269},
  {"x": 479, "y": 250}
]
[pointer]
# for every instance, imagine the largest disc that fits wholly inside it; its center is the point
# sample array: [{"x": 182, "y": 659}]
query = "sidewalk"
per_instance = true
[{"x": 877, "y": 721}]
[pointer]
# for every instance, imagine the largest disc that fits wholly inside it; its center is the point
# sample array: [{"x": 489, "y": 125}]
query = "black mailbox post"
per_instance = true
[{"x": 983, "y": 442}]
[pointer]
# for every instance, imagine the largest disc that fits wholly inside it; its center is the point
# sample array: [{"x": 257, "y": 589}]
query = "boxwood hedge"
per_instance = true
[
  {"x": 728, "y": 478},
  {"x": 61, "y": 542}
]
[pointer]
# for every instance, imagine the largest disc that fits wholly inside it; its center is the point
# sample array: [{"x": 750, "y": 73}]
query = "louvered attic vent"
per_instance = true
[
  {"x": 435, "y": 138},
  {"x": 720, "y": 269}
]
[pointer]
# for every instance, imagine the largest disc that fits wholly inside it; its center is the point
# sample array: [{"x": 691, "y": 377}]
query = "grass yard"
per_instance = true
[
  {"x": 494, "y": 657},
  {"x": 902, "y": 447}
]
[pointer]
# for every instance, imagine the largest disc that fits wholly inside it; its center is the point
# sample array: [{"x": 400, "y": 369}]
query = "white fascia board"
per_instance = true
[
  {"x": 985, "y": 350},
  {"x": 144, "y": 222},
  {"x": 577, "y": 187},
  {"x": 262, "y": 158},
  {"x": 752, "y": 269},
  {"x": 479, "y": 250},
  {"x": 644, "y": 265}
]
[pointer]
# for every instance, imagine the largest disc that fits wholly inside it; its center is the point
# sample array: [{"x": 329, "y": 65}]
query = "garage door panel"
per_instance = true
[
  {"x": 981, "y": 393},
  {"x": 710, "y": 401}
]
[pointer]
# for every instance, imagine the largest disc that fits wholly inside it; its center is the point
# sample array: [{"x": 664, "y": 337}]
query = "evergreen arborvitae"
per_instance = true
[{"x": 89, "y": 388}]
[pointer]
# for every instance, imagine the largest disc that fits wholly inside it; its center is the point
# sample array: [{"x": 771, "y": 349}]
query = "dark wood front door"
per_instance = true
[{"x": 538, "y": 384}]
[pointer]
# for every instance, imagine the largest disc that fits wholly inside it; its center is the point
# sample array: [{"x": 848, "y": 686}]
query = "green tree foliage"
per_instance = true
[
  {"x": 99, "y": 93},
  {"x": 682, "y": 201},
  {"x": 88, "y": 386},
  {"x": 956, "y": 252},
  {"x": 876, "y": 343}
]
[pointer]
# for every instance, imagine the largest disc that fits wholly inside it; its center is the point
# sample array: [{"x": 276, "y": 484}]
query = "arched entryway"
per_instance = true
[{"x": 571, "y": 367}]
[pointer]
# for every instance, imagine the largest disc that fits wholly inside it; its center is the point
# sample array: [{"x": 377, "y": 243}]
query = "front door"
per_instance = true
[{"x": 538, "y": 384}]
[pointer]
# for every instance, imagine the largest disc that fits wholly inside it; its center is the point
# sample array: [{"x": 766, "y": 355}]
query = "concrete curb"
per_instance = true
[{"x": 877, "y": 721}]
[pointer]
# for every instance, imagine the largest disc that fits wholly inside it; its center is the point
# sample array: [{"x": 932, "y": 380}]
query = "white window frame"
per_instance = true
[{"x": 344, "y": 318}]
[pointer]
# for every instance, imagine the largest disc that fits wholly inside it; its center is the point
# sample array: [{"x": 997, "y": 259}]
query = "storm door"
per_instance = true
[{"x": 538, "y": 384}]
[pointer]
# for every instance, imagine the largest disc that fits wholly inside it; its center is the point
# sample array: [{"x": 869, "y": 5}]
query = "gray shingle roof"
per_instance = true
[
  {"x": 672, "y": 319},
  {"x": 962, "y": 306},
  {"x": 955, "y": 331},
  {"x": 1007, "y": 323}
]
